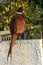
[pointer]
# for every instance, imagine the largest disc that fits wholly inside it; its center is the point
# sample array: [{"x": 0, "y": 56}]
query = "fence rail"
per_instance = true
[{"x": 5, "y": 35}]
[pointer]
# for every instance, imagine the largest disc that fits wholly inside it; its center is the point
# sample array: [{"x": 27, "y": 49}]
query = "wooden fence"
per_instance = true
[{"x": 5, "y": 35}]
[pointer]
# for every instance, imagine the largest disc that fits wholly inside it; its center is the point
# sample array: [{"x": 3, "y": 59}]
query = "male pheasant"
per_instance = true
[{"x": 17, "y": 27}]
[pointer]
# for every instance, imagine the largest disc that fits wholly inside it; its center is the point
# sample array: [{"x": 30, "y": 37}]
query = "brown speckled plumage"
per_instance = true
[{"x": 17, "y": 27}]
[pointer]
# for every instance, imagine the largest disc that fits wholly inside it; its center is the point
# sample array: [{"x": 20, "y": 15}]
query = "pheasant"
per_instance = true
[{"x": 17, "y": 27}]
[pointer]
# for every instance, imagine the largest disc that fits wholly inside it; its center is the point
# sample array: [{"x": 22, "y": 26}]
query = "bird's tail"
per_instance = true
[{"x": 14, "y": 37}]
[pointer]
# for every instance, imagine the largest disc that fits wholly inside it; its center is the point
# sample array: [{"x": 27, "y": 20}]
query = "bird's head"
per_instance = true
[{"x": 20, "y": 9}]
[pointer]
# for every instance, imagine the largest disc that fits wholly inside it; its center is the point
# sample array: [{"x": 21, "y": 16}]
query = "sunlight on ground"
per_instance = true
[{"x": 25, "y": 52}]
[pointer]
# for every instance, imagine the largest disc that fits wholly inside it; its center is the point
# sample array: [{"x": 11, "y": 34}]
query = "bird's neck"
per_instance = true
[{"x": 19, "y": 13}]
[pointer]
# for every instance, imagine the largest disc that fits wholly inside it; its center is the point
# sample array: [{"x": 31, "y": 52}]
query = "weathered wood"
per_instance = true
[
  {"x": 5, "y": 35},
  {"x": 4, "y": 32}
]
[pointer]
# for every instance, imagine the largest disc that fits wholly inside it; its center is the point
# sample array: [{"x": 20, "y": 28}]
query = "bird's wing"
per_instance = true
[
  {"x": 17, "y": 24},
  {"x": 12, "y": 23}
]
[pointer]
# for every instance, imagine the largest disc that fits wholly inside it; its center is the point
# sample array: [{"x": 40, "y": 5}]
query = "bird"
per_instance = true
[{"x": 17, "y": 28}]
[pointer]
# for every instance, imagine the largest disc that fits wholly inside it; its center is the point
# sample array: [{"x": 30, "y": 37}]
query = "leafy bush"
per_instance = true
[{"x": 31, "y": 12}]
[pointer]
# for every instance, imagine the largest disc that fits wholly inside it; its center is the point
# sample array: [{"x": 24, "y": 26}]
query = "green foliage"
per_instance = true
[{"x": 31, "y": 12}]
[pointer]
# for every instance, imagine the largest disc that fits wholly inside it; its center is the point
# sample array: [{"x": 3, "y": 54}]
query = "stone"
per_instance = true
[{"x": 25, "y": 52}]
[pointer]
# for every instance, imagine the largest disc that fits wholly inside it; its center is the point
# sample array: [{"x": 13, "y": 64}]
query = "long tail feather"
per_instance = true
[{"x": 14, "y": 37}]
